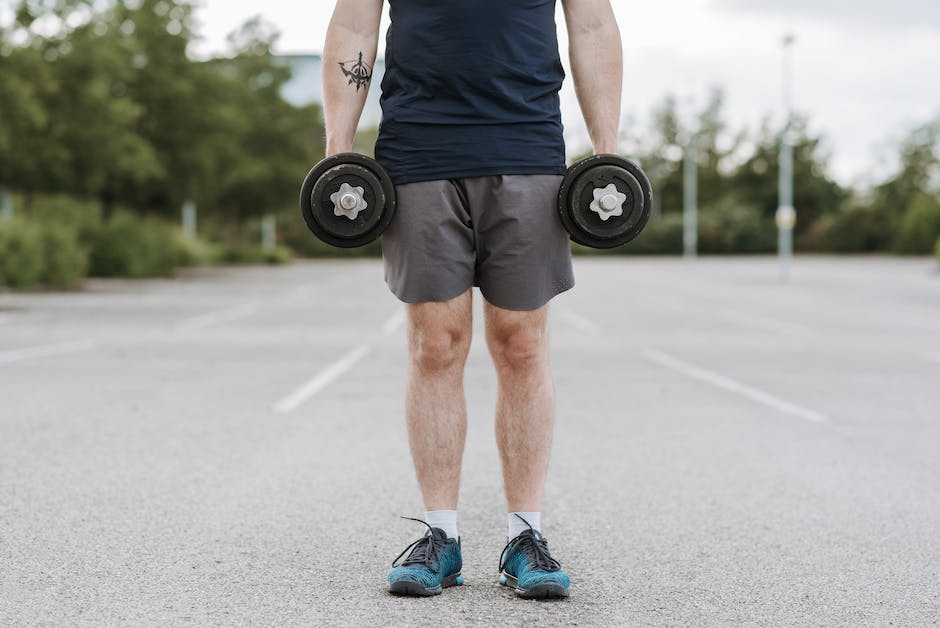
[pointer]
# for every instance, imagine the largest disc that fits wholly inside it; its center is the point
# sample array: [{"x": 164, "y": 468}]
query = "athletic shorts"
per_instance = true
[{"x": 501, "y": 233}]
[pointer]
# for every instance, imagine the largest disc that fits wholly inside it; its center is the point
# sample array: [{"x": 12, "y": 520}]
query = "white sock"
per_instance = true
[
  {"x": 517, "y": 526},
  {"x": 446, "y": 520}
]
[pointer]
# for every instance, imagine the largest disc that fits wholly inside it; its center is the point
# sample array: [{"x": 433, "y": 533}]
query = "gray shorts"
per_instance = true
[{"x": 501, "y": 233}]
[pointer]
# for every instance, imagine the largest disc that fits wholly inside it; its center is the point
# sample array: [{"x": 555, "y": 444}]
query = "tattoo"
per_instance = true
[{"x": 357, "y": 72}]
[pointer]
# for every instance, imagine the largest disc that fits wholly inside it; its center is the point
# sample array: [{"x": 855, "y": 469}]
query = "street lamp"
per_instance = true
[
  {"x": 786, "y": 214},
  {"x": 690, "y": 184}
]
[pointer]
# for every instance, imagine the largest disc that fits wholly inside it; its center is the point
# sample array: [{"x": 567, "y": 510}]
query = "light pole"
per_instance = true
[
  {"x": 690, "y": 188},
  {"x": 786, "y": 214}
]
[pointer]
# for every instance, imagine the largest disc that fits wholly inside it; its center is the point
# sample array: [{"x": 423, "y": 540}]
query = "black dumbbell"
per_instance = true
[
  {"x": 604, "y": 201},
  {"x": 347, "y": 200}
]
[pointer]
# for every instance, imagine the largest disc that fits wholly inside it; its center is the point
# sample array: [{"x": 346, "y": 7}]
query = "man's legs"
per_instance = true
[
  {"x": 438, "y": 342},
  {"x": 525, "y": 403}
]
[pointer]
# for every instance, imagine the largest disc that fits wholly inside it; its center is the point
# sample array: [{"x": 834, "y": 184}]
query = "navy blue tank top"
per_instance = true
[{"x": 471, "y": 89}]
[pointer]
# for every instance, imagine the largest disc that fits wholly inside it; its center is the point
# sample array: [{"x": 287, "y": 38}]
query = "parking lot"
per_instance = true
[{"x": 228, "y": 447}]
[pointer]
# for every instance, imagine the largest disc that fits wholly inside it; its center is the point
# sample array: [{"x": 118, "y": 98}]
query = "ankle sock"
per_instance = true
[
  {"x": 446, "y": 520},
  {"x": 517, "y": 526}
]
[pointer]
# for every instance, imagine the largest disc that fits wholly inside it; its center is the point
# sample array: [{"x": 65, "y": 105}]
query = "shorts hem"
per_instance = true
[
  {"x": 400, "y": 295},
  {"x": 516, "y": 307}
]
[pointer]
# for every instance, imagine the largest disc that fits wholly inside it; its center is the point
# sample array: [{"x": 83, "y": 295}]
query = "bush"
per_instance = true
[
  {"x": 920, "y": 226},
  {"x": 21, "y": 254},
  {"x": 194, "y": 251},
  {"x": 129, "y": 246},
  {"x": 731, "y": 227},
  {"x": 254, "y": 254},
  {"x": 853, "y": 229},
  {"x": 937, "y": 249},
  {"x": 65, "y": 260}
]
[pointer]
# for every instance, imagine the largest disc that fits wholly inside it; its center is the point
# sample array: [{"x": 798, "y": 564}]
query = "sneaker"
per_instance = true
[
  {"x": 528, "y": 567},
  {"x": 433, "y": 564}
]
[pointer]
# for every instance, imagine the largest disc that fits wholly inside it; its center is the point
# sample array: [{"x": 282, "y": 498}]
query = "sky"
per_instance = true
[{"x": 864, "y": 71}]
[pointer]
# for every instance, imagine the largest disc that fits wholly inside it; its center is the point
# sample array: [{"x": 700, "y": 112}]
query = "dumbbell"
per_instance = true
[
  {"x": 347, "y": 200},
  {"x": 604, "y": 201}
]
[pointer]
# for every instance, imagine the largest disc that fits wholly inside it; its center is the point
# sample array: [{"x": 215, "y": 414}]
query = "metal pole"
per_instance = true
[
  {"x": 6, "y": 203},
  {"x": 189, "y": 219},
  {"x": 690, "y": 198},
  {"x": 786, "y": 214},
  {"x": 268, "y": 233}
]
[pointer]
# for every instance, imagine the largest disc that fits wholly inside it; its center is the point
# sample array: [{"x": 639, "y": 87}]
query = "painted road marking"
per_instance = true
[
  {"x": 43, "y": 351},
  {"x": 321, "y": 380},
  {"x": 734, "y": 386},
  {"x": 395, "y": 322},
  {"x": 579, "y": 322},
  {"x": 211, "y": 319}
]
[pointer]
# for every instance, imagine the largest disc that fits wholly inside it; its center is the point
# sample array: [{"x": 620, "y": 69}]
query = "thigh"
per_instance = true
[
  {"x": 523, "y": 251},
  {"x": 428, "y": 250}
]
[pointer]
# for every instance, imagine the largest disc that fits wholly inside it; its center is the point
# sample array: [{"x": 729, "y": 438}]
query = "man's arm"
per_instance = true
[
  {"x": 348, "y": 58},
  {"x": 596, "y": 55}
]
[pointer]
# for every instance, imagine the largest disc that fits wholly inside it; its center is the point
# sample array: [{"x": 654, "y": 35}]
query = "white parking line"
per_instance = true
[
  {"x": 395, "y": 322},
  {"x": 210, "y": 319},
  {"x": 43, "y": 351},
  {"x": 321, "y": 380},
  {"x": 734, "y": 386},
  {"x": 579, "y": 322}
]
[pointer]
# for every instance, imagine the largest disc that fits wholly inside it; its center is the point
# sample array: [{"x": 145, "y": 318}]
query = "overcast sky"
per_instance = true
[{"x": 865, "y": 70}]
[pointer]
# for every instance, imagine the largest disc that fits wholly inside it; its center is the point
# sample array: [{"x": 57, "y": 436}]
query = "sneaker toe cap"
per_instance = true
[{"x": 538, "y": 577}]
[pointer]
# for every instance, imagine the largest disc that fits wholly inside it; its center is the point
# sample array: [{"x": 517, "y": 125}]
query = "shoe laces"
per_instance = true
[
  {"x": 534, "y": 546},
  {"x": 425, "y": 551}
]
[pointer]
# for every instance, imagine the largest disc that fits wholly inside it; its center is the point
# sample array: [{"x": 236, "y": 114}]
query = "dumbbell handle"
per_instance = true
[
  {"x": 609, "y": 202},
  {"x": 349, "y": 201}
]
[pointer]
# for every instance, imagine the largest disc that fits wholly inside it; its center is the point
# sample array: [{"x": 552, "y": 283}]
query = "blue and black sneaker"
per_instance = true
[
  {"x": 433, "y": 565},
  {"x": 528, "y": 567}
]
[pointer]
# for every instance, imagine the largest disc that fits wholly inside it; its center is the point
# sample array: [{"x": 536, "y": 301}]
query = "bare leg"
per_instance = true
[
  {"x": 525, "y": 404},
  {"x": 438, "y": 342}
]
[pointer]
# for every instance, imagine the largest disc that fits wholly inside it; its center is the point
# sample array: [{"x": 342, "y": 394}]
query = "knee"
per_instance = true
[
  {"x": 520, "y": 350},
  {"x": 438, "y": 350}
]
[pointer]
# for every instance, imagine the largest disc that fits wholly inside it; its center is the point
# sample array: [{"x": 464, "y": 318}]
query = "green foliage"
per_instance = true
[
  {"x": 21, "y": 254},
  {"x": 856, "y": 228},
  {"x": 195, "y": 251},
  {"x": 252, "y": 254},
  {"x": 65, "y": 261},
  {"x": 936, "y": 249},
  {"x": 730, "y": 226},
  {"x": 920, "y": 225},
  {"x": 130, "y": 246}
]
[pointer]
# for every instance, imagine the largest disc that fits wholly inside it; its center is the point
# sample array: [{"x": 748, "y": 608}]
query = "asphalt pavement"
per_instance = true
[{"x": 228, "y": 448}]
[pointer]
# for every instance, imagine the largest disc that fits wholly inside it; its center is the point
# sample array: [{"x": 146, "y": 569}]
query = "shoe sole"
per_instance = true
[
  {"x": 414, "y": 589},
  {"x": 538, "y": 592}
]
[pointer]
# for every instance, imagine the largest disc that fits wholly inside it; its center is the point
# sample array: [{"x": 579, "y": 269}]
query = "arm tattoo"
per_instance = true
[{"x": 358, "y": 73}]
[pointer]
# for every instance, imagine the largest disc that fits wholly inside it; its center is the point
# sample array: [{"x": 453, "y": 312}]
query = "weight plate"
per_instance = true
[
  {"x": 323, "y": 206},
  {"x": 318, "y": 210},
  {"x": 577, "y": 192}
]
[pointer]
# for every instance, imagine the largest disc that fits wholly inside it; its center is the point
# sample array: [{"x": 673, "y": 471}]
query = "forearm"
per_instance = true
[
  {"x": 348, "y": 58},
  {"x": 596, "y": 57}
]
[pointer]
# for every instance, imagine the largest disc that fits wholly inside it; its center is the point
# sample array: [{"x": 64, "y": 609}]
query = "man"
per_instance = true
[{"x": 471, "y": 135}]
